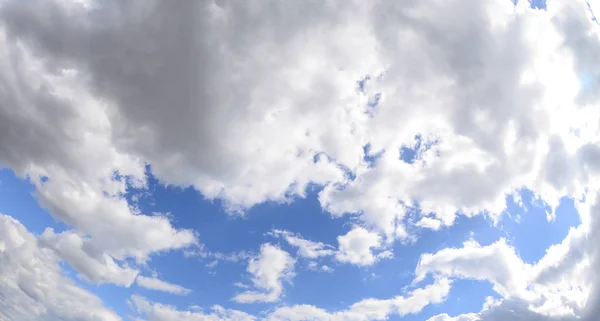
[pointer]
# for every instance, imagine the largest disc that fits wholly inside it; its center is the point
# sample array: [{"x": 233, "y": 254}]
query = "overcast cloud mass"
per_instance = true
[{"x": 166, "y": 143}]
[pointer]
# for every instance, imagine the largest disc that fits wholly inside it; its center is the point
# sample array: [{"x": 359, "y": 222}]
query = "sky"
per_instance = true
[{"x": 299, "y": 160}]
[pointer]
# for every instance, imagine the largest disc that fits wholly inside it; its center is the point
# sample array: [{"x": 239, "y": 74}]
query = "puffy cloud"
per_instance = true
[
  {"x": 358, "y": 245},
  {"x": 159, "y": 285},
  {"x": 306, "y": 248},
  {"x": 160, "y": 312},
  {"x": 32, "y": 285},
  {"x": 497, "y": 263},
  {"x": 430, "y": 223},
  {"x": 268, "y": 270},
  {"x": 554, "y": 288},
  {"x": 94, "y": 265},
  {"x": 446, "y": 317}
]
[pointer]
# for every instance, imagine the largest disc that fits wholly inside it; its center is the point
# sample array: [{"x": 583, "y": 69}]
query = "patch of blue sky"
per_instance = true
[
  {"x": 374, "y": 99},
  {"x": 369, "y": 156},
  {"x": 528, "y": 228},
  {"x": 411, "y": 153},
  {"x": 538, "y": 4},
  {"x": 362, "y": 83}
]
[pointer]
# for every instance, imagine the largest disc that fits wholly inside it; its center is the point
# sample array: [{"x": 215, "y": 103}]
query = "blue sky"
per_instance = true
[{"x": 246, "y": 161}]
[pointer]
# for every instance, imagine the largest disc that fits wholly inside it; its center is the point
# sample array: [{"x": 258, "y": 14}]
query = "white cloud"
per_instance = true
[
  {"x": 554, "y": 288},
  {"x": 497, "y": 263},
  {"x": 306, "y": 248},
  {"x": 357, "y": 246},
  {"x": 505, "y": 310},
  {"x": 32, "y": 285},
  {"x": 365, "y": 310},
  {"x": 159, "y": 285},
  {"x": 327, "y": 269},
  {"x": 268, "y": 270},
  {"x": 430, "y": 223},
  {"x": 160, "y": 312},
  {"x": 369, "y": 309},
  {"x": 93, "y": 264}
]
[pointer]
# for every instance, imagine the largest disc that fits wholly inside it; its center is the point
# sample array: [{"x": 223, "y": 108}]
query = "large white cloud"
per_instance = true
[
  {"x": 557, "y": 287},
  {"x": 32, "y": 284}
]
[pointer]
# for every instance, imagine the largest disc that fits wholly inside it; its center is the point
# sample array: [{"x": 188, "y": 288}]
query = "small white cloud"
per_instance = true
[
  {"x": 159, "y": 285},
  {"x": 269, "y": 269},
  {"x": 306, "y": 248},
  {"x": 327, "y": 269},
  {"x": 312, "y": 266},
  {"x": 430, "y": 223},
  {"x": 212, "y": 264},
  {"x": 357, "y": 246},
  {"x": 241, "y": 285}
]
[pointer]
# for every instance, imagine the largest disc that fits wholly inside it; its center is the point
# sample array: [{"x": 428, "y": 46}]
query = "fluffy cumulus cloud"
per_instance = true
[
  {"x": 438, "y": 108},
  {"x": 268, "y": 271},
  {"x": 32, "y": 285},
  {"x": 358, "y": 246}
]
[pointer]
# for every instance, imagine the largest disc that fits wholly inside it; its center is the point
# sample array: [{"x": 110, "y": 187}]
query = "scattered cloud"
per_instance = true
[
  {"x": 158, "y": 285},
  {"x": 160, "y": 312}
]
